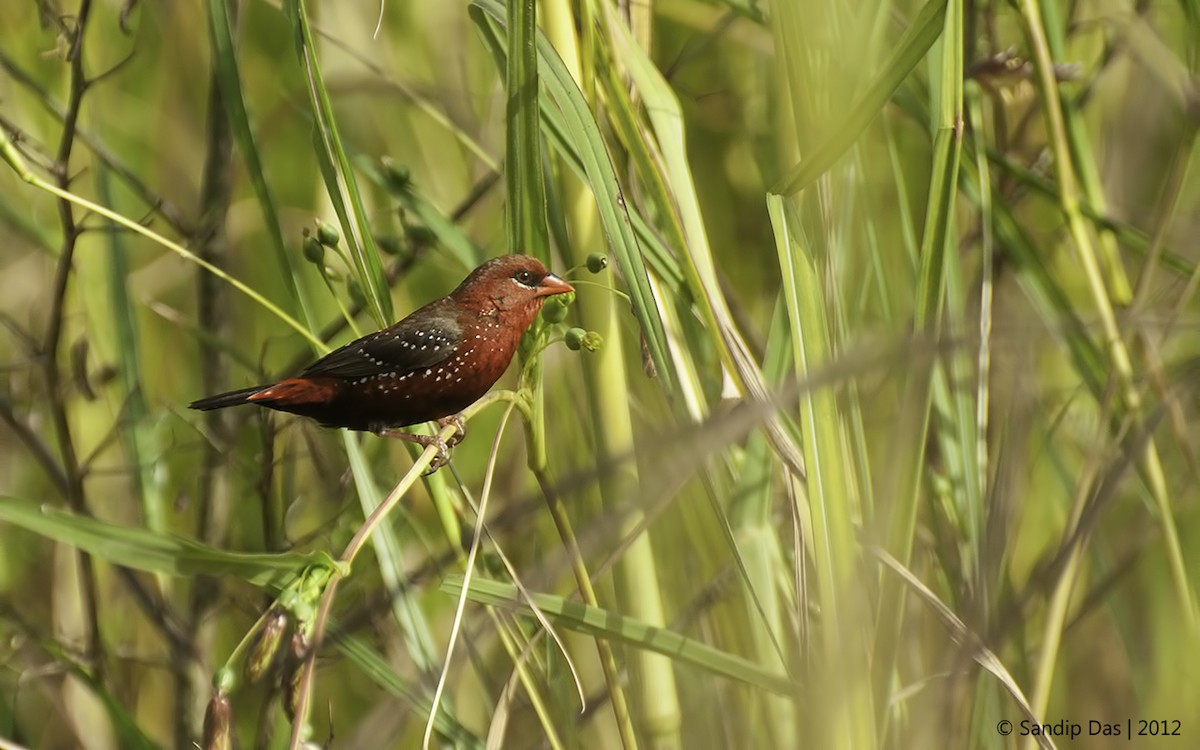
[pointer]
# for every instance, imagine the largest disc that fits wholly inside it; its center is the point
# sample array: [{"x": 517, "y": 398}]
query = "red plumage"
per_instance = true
[{"x": 429, "y": 366}]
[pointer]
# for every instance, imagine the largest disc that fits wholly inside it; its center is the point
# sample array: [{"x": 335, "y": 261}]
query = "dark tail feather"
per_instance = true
[{"x": 222, "y": 400}]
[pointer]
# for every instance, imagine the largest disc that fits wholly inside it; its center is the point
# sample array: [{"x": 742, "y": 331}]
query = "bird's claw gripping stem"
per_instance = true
[
  {"x": 460, "y": 428},
  {"x": 440, "y": 459}
]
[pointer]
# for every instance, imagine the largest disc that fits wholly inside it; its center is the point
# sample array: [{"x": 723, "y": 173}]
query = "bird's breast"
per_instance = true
[{"x": 403, "y": 398}]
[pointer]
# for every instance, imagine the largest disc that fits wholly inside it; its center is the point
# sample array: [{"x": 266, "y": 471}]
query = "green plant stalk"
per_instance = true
[
  {"x": 907, "y": 54},
  {"x": 229, "y": 77},
  {"x": 758, "y": 542},
  {"x": 1084, "y": 165},
  {"x": 659, "y": 156},
  {"x": 349, "y": 554},
  {"x": 905, "y": 470},
  {"x": 14, "y": 159},
  {"x": 848, "y": 716},
  {"x": 684, "y": 227},
  {"x": 658, "y": 709},
  {"x": 608, "y": 661},
  {"x": 936, "y": 251},
  {"x": 389, "y": 543},
  {"x": 520, "y": 660},
  {"x": 340, "y": 181},
  {"x": 648, "y": 166},
  {"x": 138, "y": 438},
  {"x": 1114, "y": 346},
  {"x": 523, "y": 178},
  {"x": 941, "y": 286},
  {"x": 1115, "y": 351},
  {"x": 983, "y": 364}
]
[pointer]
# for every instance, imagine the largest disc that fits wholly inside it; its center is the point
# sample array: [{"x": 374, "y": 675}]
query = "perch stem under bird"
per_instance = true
[{"x": 427, "y": 367}]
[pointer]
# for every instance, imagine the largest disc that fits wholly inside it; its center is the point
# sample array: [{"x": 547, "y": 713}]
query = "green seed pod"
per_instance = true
[
  {"x": 266, "y": 646},
  {"x": 597, "y": 262},
  {"x": 574, "y": 338},
  {"x": 327, "y": 234},
  {"x": 218, "y": 724},
  {"x": 593, "y": 341},
  {"x": 314, "y": 252},
  {"x": 555, "y": 309}
]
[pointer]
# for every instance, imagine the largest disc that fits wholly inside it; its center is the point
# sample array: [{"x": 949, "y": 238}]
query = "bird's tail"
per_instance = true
[{"x": 223, "y": 400}]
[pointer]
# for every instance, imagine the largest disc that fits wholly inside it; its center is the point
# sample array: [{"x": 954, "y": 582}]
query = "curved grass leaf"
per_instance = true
[
  {"x": 917, "y": 40},
  {"x": 152, "y": 552},
  {"x": 615, "y": 627},
  {"x": 230, "y": 80},
  {"x": 383, "y": 674},
  {"x": 339, "y": 177}
]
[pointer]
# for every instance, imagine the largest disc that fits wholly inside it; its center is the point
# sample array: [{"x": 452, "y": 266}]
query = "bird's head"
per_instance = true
[{"x": 511, "y": 286}]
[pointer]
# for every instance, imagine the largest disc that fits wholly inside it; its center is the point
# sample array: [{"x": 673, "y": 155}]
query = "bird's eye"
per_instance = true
[{"x": 525, "y": 277}]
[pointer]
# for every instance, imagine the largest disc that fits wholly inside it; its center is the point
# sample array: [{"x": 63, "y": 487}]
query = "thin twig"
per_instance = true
[
  {"x": 50, "y": 347},
  {"x": 608, "y": 662},
  {"x": 38, "y": 449},
  {"x": 211, "y": 302},
  {"x": 160, "y": 205},
  {"x": 351, "y": 551}
]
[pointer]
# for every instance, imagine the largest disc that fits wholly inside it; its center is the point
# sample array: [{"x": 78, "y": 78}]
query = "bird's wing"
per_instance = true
[{"x": 418, "y": 341}]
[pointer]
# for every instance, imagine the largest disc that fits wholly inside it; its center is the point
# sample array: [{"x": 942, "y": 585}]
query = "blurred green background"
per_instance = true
[{"x": 888, "y": 441}]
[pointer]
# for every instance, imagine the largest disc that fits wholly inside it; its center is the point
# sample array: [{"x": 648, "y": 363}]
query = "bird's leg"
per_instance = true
[
  {"x": 459, "y": 425},
  {"x": 443, "y": 450}
]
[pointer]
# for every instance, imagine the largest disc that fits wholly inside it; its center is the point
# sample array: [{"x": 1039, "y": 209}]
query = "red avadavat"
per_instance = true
[{"x": 429, "y": 366}]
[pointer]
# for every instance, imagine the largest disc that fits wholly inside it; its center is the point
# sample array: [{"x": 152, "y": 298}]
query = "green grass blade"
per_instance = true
[
  {"x": 523, "y": 175},
  {"x": 376, "y": 666},
  {"x": 389, "y": 549},
  {"x": 153, "y": 552},
  {"x": 340, "y": 180},
  {"x": 225, "y": 60},
  {"x": 616, "y": 627},
  {"x": 909, "y": 52},
  {"x": 833, "y": 497},
  {"x": 138, "y": 434}
]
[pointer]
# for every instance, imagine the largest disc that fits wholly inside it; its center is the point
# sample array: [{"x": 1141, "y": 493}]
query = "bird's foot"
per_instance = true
[
  {"x": 460, "y": 428},
  {"x": 440, "y": 459}
]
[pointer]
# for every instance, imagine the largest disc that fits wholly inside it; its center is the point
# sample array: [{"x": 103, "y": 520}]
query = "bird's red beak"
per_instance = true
[{"x": 552, "y": 285}]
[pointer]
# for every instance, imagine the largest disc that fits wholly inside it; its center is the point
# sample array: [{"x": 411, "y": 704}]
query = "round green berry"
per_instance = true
[
  {"x": 314, "y": 252},
  {"x": 327, "y": 234},
  {"x": 597, "y": 262},
  {"x": 573, "y": 338}
]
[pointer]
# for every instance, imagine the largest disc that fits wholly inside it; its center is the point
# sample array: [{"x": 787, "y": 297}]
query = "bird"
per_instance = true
[{"x": 429, "y": 366}]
